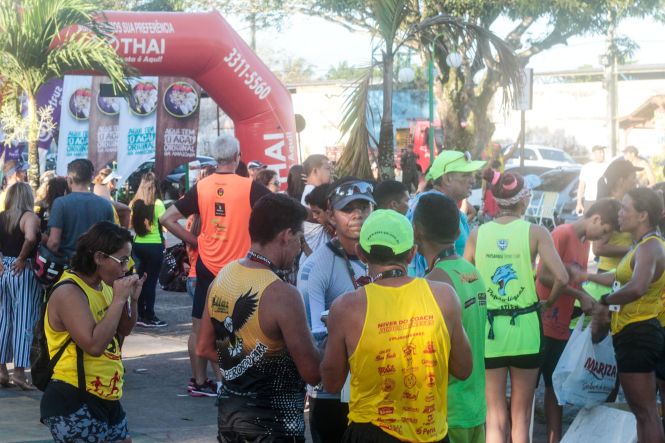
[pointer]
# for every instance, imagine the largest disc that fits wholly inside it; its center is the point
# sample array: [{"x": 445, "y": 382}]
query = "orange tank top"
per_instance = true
[{"x": 224, "y": 207}]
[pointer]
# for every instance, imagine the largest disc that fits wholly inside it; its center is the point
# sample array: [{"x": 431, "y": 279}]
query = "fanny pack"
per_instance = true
[{"x": 512, "y": 313}]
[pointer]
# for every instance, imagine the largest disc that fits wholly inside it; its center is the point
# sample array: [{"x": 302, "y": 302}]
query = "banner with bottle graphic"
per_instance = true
[
  {"x": 177, "y": 123},
  {"x": 137, "y": 126},
  {"x": 73, "y": 136},
  {"x": 104, "y": 122}
]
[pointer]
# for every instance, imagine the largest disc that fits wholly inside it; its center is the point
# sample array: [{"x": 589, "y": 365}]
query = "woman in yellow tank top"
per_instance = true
[
  {"x": 89, "y": 313},
  {"x": 635, "y": 306}
]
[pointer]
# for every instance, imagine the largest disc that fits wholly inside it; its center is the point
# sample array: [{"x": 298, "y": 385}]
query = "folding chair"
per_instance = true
[{"x": 548, "y": 208}]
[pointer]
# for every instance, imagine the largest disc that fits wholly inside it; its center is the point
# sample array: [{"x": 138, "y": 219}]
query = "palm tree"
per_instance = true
[
  {"x": 437, "y": 33},
  {"x": 42, "y": 39}
]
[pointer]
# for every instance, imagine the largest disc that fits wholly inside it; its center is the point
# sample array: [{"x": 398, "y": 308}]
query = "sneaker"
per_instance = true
[
  {"x": 204, "y": 390},
  {"x": 142, "y": 322},
  {"x": 191, "y": 383},
  {"x": 155, "y": 323}
]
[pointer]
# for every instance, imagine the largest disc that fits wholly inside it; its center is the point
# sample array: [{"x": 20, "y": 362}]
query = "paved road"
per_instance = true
[{"x": 157, "y": 370}]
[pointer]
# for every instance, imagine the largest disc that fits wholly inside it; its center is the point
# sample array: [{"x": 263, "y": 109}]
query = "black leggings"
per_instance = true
[{"x": 149, "y": 257}]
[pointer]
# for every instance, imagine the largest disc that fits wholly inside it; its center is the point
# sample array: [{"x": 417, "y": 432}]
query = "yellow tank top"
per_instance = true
[
  {"x": 103, "y": 374},
  {"x": 399, "y": 370},
  {"x": 616, "y": 239},
  {"x": 649, "y": 305}
]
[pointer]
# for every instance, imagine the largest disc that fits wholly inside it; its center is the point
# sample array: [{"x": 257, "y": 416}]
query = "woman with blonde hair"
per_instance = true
[
  {"x": 19, "y": 289},
  {"x": 148, "y": 252}
]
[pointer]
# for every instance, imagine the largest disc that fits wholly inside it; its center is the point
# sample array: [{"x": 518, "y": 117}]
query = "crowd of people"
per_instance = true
[{"x": 387, "y": 314}]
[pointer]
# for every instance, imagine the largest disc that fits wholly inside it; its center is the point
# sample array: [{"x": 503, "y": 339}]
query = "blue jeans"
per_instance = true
[{"x": 149, "y": 257}]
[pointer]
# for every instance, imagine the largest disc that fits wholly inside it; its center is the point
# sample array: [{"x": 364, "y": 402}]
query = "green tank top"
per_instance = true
[
  {"x": 466, "y": 399},
  {"x": 503, "y": 257}
]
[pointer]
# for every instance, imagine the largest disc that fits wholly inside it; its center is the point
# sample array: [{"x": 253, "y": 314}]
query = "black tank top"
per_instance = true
[{"x": 11, "y": 243}]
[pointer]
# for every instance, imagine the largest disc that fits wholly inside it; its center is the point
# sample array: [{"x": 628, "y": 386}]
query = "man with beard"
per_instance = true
[
  {"x": 332, "y": 270},
  {"x": 452, "y": 174},
  {"x": 254, "y": 326}
]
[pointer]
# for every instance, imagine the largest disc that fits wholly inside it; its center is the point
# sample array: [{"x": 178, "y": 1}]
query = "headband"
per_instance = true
[{"x": 524, "y": 192}]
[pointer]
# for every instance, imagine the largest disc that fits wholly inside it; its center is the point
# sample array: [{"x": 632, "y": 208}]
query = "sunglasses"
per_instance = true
[
  {"x": 352, "y": 188},
  {"x": 275, "y": 183},
  {"x": 124, "y": 261}
]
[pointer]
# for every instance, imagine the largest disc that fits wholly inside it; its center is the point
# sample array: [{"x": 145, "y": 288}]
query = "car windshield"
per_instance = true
[
  {"x": 556, "y": 155},
  {"x": 557, "y": 180}
]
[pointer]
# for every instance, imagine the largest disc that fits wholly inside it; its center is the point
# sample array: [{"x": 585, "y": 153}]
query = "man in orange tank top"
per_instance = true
[
  {"x": 399, "y": 337},
  {"x": 224, "y": 201}
]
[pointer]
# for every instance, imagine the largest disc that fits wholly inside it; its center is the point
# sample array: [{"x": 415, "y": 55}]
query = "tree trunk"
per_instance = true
[
  {"x": 386, "y": 137},
  {"x": 33, "y": 138},
  {"x": 466, "y": 123}
]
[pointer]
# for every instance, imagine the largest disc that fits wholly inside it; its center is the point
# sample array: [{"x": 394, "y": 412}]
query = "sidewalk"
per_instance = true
[{"x": 155, "y": 398}]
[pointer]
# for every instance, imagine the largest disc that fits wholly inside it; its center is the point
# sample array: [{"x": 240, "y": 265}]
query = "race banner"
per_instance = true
[
  {"x": 104, "y": 119},
  {"x": 73, "y": 135},
  {"x": 136, "y": 126},
  {"x": 50, "y": 94},
  {"x": 177, "y": 123}
]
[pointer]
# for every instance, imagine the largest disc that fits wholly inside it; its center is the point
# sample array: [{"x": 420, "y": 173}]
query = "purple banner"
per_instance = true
[{"x": 50, "y": 94}]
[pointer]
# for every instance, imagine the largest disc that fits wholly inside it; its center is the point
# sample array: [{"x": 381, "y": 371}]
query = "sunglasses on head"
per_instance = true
[{"x": 352, "y": 188}]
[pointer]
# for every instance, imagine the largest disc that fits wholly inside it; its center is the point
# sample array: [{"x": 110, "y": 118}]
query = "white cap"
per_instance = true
[{"x": 111, "y": 176}]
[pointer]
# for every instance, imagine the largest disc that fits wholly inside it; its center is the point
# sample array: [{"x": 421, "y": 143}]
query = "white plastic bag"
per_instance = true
[{"x": 586, "y": 372}]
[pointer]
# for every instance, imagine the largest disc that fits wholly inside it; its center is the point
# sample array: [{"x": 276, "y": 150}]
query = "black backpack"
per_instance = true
[
  {"x": 42, "y": 365},
  {"x": 172, "y": 276}
]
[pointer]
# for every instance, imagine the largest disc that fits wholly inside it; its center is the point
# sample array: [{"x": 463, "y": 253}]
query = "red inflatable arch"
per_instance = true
[{"x": 204, "y": 47}]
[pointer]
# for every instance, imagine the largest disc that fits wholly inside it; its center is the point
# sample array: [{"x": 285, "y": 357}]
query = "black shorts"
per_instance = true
[
  {"x": 368, "y": 433},
  {"x": 204, "y": 279},
  {"x": 552, "y": 350},
  {"x": 528, "y": 361},
  {"x": 639, "y": 346}
]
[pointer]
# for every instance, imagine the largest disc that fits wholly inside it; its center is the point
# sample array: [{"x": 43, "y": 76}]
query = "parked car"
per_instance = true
[
  {"x": 537, "y": 155},
  {"x": 564, "y": 182},
  {"x": 170, "y": 186}
]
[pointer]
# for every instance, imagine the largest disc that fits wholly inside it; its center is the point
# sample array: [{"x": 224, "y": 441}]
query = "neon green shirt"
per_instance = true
[
  {"x": 466, "y": 399},
  {"x": 503, "y": 258},
  {"x": 154, "y": 236}
]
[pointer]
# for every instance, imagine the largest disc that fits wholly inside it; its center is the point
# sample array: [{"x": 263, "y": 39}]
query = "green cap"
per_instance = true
[
  {"x": 385, "y": 227},
  {"x": 453, "y": 161}
]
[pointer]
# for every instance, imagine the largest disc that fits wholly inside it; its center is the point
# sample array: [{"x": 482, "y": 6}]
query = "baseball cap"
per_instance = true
[
  {"x": 385, "y": 227},
  {"x": 255, "y": 164},
  {"x": 111, "y": 176},
  {"x": 620, "y": 168},
  {"x": 597, "y": 148},
  {"x": 347, "y": 192},
  {"x": 453, "y": 161}
]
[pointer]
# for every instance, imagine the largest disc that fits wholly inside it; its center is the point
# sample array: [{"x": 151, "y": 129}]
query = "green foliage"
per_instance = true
[
  {"x": 343, "y": 72},
  {"x": 29, "y": 57}
]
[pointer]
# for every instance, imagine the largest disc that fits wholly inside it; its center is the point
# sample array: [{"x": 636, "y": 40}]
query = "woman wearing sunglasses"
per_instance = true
[{"x": 88, "y": 314}]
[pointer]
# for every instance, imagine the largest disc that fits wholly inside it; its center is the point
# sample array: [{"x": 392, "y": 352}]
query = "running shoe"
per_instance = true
[
  {"x": 191, "y": 383},
  {"x": 152, "y": 323},
  {"x": 204, "y": 390}
]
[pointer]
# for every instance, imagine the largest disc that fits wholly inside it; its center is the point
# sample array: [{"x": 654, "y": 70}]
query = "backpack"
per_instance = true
[
  {"x": 42, "y": 365},
  {"x": 172, "y": 276}
]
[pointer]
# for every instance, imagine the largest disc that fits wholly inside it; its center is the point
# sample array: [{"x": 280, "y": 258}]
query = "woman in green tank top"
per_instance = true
[{"x": 506, "y": 250}]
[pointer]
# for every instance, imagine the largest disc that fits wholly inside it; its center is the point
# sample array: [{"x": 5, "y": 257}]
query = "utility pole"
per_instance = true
[{"x": 611, "y": 81}]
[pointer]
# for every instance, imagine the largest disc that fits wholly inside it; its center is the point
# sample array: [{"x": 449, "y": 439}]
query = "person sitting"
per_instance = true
[{"x": 90, "y": 312}]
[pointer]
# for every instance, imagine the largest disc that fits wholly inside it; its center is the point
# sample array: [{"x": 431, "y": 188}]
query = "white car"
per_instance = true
[{"x": 538, "y": 155}]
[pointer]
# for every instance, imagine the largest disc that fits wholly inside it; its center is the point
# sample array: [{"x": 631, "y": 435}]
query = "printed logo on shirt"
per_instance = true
[
  {"x": 502, "y": 244},
  {"x": 503, "y": 275},
  {"x": 220, "y": 210},
  {"x": 220, "y": 192}
]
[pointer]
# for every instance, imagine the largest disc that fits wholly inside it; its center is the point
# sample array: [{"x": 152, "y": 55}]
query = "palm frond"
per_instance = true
[
  {"x": 483, "y": 48},
  {"x": 355, "y": 158}
]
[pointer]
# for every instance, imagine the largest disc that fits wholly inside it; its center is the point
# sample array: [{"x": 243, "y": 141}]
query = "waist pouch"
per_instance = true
[{"x": 512, "y": 313}]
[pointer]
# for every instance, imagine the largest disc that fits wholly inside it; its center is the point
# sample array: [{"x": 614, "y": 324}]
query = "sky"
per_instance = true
[{"x": 328, "y": 44}]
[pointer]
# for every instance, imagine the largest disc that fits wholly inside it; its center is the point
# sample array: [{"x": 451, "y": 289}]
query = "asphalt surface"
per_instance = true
[{"x": 155, "y": 398}]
